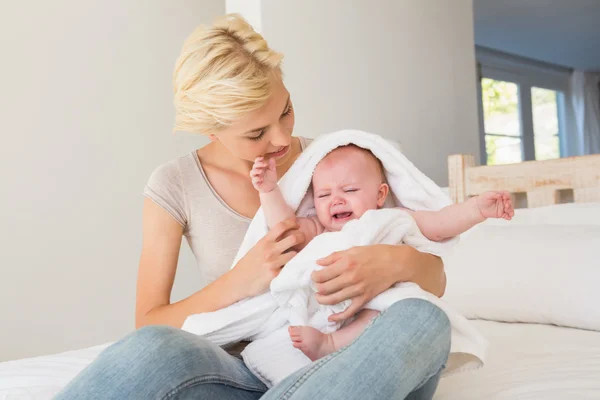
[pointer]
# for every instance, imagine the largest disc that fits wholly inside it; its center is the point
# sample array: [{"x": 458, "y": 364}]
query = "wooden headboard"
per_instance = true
[{"x": 542, "y": 182}]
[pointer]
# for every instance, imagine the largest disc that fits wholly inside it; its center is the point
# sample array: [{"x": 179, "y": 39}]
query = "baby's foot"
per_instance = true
[{"x": 313, "y": 343}]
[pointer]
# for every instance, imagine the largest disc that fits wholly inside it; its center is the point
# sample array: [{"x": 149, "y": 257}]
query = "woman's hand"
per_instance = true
[
  {"x": 263, "y": 262},
  {"x": 358, "y": 274},
  {"x": 361, "y": 273}
]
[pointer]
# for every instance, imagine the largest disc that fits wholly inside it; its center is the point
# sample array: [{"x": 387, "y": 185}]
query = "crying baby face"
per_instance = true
[{"x": 346, "y": 183}]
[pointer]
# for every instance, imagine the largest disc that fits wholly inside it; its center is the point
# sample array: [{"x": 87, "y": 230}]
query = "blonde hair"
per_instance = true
[{"x": 224, "y": 72}]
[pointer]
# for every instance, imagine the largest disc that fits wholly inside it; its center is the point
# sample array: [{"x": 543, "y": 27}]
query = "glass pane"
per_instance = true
[
  {"x": 545, "y": 123},
  {"x": 546, "y": 148},
  {"x": 500, "y": 107},
  {"x": 503, "y": 150}
]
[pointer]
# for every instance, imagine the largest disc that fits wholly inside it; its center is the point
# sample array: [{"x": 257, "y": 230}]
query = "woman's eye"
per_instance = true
[
  {"x": 260, "y": 136},
  {"x": 288, "y": 111}
]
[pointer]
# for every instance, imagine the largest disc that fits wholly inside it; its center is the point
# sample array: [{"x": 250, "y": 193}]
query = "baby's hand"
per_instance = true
[
  {"x": 495, "y": 205},
  {"x": 264, "y": 175}
]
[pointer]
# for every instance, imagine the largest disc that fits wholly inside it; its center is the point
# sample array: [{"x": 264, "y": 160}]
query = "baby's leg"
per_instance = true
[
  {"x": 343, "y": 337},
  {"x": 316, "y": 344}
]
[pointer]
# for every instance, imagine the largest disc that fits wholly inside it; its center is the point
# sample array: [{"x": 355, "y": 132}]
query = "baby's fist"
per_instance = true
[
  {"x": 495, "y": 204},
  {"x": 264, "y": 175}
]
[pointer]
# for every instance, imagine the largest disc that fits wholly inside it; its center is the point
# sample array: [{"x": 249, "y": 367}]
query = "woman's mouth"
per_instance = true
[{"x": 280, "y": 152}]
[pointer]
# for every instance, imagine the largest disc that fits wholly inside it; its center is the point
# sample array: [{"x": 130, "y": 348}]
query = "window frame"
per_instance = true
[{"x": 526, "y": 74}]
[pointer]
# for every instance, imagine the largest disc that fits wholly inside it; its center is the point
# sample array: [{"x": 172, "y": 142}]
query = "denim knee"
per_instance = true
[
  {"x": 423, "y": 310},
  {"x": 153, "y": 335},
  {"x": 162, "y": 344},
  {"x": 146, "y": 338},
  {"x": 435, "y": 322}
]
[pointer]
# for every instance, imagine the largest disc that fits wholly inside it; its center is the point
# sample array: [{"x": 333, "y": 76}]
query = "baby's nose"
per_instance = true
[{"x": 338, "y": 200}]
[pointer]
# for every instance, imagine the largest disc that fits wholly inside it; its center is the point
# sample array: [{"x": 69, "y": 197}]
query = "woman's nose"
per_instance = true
[{"x": 279, "y": 137}]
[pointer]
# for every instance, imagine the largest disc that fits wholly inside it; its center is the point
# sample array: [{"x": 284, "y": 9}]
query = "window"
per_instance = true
[
  {"x": 502, "y": 128},
  {"x": 521, "y": 106},
  {"x": 544, "y": 106}
]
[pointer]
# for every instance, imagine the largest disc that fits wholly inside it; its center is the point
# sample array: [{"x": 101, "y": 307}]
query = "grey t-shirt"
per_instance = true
[{"x": 212, "y": 229}]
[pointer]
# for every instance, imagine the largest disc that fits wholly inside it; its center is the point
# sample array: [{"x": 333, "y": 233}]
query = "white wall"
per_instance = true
[
  {"x": 402, "y": 68},
  {"x": 85, "y": 116},
  {"x": 250, "y": 9}
]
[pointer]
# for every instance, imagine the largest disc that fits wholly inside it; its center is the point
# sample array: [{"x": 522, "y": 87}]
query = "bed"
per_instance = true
[
  {"x": 529, "y": 285},
  {"x": 531, "y": 361}
]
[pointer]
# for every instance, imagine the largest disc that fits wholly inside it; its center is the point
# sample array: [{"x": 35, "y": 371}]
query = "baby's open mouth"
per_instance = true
[{"x": 343, "y": 215}]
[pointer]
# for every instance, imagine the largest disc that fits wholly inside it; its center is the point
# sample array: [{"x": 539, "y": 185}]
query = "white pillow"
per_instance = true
[{"x": 543, "y": 268}]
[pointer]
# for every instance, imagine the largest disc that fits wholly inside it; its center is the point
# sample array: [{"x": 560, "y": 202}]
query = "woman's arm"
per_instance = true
[
  {"x": 363, "y": 272},
  {"x": 156, "y": 273},
  {"x": 158, "y": 264},
  {"x": 426, "y": 270}
]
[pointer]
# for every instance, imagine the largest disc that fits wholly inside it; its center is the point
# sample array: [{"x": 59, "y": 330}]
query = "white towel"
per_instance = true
[
  {"x": 293, "y": 288},
  {"x": 264, "y": 319}
]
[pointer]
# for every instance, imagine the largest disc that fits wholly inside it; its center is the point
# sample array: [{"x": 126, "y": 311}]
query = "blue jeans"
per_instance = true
[{"x": 400, "y": 355}]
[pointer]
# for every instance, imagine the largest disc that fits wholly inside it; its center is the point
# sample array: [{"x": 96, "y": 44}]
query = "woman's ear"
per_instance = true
[
  {"x": 382, "y": 194},
  {"x": 212, "y": 138}
]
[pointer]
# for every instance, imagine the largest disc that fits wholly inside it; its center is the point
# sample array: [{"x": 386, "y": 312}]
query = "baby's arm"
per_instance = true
[
  {"x": 264, "y": 179},
  {"x": 457, "y": 218}
]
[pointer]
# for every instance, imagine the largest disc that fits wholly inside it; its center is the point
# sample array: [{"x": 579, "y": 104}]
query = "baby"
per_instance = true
[{"x": 346, "y": 183}]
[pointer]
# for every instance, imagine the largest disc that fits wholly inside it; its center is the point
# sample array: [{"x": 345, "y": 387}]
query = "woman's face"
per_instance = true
[{"x": 264, "y": 132}]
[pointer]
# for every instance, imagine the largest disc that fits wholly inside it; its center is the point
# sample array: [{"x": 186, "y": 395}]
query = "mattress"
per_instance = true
[
  {"x": 530, "y": 362},
  {"x": 42, "y": 377},
  {"x": 525, "y": 362}
]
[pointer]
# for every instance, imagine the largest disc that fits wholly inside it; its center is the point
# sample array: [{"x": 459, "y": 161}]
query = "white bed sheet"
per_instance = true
[
  {"x": 530, "y": 362},
  {"x": 525, "y": 362},
  {"x": 40, "y": 378}
]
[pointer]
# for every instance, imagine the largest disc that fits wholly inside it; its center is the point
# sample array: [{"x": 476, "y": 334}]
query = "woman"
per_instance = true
[{"x": 228, "y": 85}]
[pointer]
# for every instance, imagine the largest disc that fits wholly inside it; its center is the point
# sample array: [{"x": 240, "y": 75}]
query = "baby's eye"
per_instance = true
[
  {"x": 350, "y": 190},
  {"x": 323, "y": 195}
]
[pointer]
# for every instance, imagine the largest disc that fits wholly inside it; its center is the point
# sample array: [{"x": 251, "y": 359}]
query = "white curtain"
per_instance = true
[{"x": 584, "y": 130}]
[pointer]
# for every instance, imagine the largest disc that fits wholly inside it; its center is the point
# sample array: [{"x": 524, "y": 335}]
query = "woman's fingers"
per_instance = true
[
  {"x": 332, "y": 285},
  {"x": 330, "y": 259},
  {"x": 288, "y": 242},
  {"x": 346, "y": 293},
  {"x": 354, "y": 308},
  {"x": 328, "y": 273},
  {"x": 281, "y": 228},
  {"x": 284, "y": 259}
]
